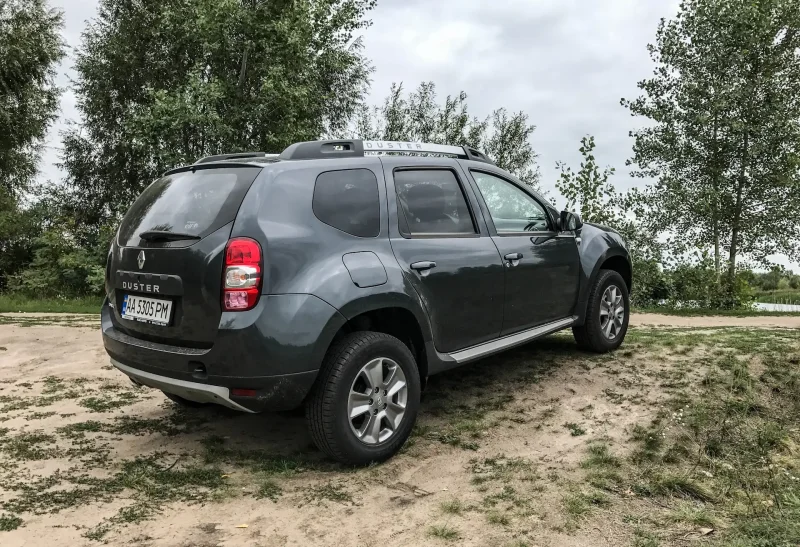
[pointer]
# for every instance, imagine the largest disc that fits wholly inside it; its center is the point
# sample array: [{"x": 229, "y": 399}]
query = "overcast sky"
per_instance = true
[{"x": 566, "y": 63}]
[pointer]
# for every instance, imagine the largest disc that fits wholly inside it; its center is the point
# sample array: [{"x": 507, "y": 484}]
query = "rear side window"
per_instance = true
[
  {"x": 348, "y": 200},
  {"x": 190, "y": 202},
  {"x": 432, "y": 203}
]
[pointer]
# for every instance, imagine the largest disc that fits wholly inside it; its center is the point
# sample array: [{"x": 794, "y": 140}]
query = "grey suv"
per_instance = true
[{"x": 339, "y": 275}]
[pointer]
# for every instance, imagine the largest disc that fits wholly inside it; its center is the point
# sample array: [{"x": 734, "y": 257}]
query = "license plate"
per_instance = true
[{"x": 146, "y": 310}]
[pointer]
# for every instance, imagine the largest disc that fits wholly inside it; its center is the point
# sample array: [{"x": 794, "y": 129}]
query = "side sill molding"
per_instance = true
[{"x": 494, "y": 346}]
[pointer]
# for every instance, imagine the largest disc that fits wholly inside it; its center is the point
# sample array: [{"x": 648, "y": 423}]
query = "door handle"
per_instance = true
[
  {"x": 512, "y": 259},
  {"x": 423, "y": 266}
]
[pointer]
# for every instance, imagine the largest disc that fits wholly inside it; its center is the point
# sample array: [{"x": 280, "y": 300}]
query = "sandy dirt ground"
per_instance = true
[{"x": 492, "y": 436}]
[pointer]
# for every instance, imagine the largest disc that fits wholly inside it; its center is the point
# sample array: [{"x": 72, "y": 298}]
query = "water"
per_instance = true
[
  {"x": 766, "y": 306},
  {"x": 762, "y": 306}
]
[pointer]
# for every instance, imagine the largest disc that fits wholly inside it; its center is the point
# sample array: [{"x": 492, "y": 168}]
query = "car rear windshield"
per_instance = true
[{"x": 194, "y": 203}]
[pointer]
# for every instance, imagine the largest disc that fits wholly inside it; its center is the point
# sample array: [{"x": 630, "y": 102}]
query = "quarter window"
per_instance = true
[
  {"x": 512, "y": 209},
  {"x": 348, "y": 200},
  {"x": 432, "y": 202}
]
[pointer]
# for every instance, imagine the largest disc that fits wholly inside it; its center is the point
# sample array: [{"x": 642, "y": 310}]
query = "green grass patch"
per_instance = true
[
  {"x": 9, "y": 522},
  {"x": 452, "y": 507},
  {"x": 724, "y": 448},
  {"x": 787, "y": 296},
  {"x": 442, "y": 531},
  {"x": 269, "y": 489},
  {"x": 692, "y": 312},
  {"x": 575, "y": 429},
  {"x": 20, "y": 303}
]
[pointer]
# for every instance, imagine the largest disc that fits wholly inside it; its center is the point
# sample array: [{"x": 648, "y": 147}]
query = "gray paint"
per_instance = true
[
  {"x": 365, "y": 269},
  {"x": 317, "y": 278}
]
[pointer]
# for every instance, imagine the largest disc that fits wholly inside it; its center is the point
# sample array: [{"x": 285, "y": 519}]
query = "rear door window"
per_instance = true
[
  {"x": 194, "y": 202},
  {"x": 432, "y": 203}
]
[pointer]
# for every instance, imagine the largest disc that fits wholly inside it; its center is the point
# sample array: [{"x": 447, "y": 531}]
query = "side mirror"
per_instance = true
[{"x": 570, "y": 222}]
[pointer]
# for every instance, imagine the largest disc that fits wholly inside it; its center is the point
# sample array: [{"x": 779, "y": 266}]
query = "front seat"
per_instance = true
[{"x": 427, "y": 205}]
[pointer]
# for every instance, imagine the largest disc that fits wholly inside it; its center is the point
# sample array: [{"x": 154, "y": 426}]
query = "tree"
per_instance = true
[
  {"x": 30, "y": 49},
  {"x": 724, "y": 139},
  {"x": 164, "y": 82},
  {"x": 588, "y": 189},
  {"x": 418, "y": 117}
]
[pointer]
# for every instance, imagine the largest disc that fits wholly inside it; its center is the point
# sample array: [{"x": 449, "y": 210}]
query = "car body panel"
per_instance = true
[
  {"x": 317, "y": 280},
  {"x": 463, "y": 294},
  {"x": 542, "y": 285}
]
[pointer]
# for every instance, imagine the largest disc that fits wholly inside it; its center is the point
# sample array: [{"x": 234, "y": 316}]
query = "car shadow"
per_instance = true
[{"x": 468, "y": 388}]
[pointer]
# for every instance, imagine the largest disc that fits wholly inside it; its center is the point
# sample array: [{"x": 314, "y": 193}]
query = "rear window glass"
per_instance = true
[
  {"x": 432, "y": 203},
  {"x": 348, "y": 200},
  {"x": 194, "y": 203}
]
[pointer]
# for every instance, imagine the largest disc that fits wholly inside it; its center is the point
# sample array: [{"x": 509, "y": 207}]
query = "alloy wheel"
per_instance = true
[
  {"x": 612, "y": 312},
  {"x": 377, "y": 401}
]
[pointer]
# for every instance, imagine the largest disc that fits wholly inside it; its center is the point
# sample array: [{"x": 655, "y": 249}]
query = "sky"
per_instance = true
[{"x": 565, "y": 63}]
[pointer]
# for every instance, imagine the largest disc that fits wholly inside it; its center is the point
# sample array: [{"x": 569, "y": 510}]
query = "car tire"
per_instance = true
[
  {"x": 184, "y": 403},
  {"x": 345, "y": 379},
  {"x": 605, "y": 298}
]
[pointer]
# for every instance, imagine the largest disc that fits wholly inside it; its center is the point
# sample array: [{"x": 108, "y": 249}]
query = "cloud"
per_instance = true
[{"x": 566, "y": 63}]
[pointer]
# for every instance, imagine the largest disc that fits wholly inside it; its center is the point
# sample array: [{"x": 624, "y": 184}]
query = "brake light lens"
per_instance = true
[{"x": 241, "y": 284}]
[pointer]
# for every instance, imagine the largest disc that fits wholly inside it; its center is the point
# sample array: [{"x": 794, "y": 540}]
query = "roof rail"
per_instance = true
[
  {"x": 357, "y": 148},
  {"x": 238, "y": 155}
]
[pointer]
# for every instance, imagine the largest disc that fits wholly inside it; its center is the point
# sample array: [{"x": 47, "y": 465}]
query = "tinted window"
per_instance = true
[
  {"x": 512, "y": 209},
  {"x": 195, "y": 203},
  {"x": 432, "y": 202},
  {"x": 348, "y": 200}
]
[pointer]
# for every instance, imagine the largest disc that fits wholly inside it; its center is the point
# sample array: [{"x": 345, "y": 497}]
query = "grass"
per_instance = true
[
  {"x": 574, "y": 429},
  {"x": 786, "y": 296},
  {"x": 442, "y": 531},
  {"x": 19, "y": 303},
  {"x": 452, "y": 507},
  {"x": 723, "y": 448},
  {"x": 691, "y": 312}
]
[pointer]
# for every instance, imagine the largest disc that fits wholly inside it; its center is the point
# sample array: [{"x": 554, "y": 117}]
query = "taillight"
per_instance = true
[{"x": 241, "y": 282}]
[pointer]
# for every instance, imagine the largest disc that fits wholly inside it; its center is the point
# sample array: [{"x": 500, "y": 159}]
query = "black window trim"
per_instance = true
[
  {"x": 402, "y": 221},
  {"x": 524, "y": 191},
  {"x": 377, "y": 187}
]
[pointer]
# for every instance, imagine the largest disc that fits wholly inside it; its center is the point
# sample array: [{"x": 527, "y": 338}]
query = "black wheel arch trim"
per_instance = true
[{"x": 592, "y": 279}]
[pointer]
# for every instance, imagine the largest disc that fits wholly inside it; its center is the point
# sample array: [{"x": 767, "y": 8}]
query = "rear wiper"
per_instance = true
[{"x": 161, "y": 235}]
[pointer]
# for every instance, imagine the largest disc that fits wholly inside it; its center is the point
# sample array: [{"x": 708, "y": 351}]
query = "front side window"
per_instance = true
[
  {"x": 432, "y": 202},
  {"x": 512, "y": 209},
  {"x": 348, "y": 200}
]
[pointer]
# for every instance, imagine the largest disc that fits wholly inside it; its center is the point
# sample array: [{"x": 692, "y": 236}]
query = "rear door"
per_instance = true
[
  {"x": 542, "y": 265},
  {"x": 165, "y": 274},
  {"x": 442, "y": 244}
]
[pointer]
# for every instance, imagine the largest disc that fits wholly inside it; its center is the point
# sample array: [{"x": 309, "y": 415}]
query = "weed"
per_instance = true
[
  {"x": 498, "y": 518},
  {"x": 453, "y": 506},
  {"x": 9, "y": 522},
  {"x": 574, "y": 429},
  {"x": 109, "y": 401},
  {"x": 599, "y": 456},
  {"x": 330, "y": 492},
  {"x": 269, "y": 489},
  {"x": 39, "y": 415},
  {"x": 29, "y": 446},
  {"x": 643, "y": 538},
  {"x": 444, "y": 532}
]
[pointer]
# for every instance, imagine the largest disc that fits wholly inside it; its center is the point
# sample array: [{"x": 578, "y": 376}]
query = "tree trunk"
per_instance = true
[
  {"x": 737, "y": 212},
  {"x": 715, "y": 197}
]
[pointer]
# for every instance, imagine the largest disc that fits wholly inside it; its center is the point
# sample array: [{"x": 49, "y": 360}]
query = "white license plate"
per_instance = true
[{"x": 147, "y": 310}]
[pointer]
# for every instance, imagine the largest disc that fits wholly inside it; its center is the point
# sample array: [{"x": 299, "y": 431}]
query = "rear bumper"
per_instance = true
[
  {"x": 275, "y": 349},
  {"x": 200, "y": 393}
]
